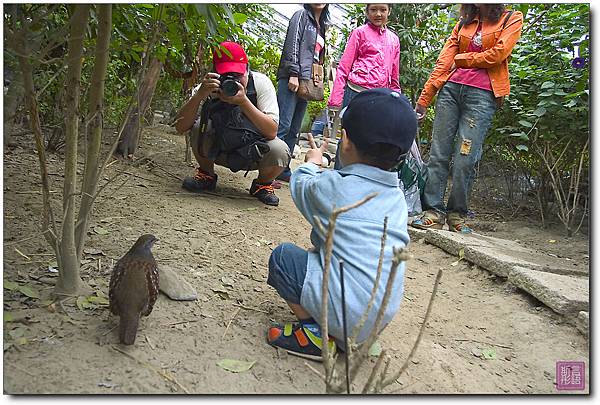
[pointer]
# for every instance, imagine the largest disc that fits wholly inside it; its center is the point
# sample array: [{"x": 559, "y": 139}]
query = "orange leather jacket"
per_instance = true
[{"x": 497, "y": 44}]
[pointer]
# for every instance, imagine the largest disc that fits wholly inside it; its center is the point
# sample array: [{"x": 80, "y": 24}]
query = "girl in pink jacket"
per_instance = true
[{"x": 371, "y": 60}]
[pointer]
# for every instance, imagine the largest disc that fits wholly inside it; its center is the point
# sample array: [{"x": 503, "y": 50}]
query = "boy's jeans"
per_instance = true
[
  {"x": 291, "y": 112},
  {"x": 463, "y": 115}
]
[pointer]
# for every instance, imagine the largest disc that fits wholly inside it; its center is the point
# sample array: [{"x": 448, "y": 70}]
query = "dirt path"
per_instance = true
[{"x": 221, "y": 246}]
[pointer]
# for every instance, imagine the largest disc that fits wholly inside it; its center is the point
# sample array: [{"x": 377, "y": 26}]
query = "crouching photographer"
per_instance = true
[{"x": 233, "y": 117}]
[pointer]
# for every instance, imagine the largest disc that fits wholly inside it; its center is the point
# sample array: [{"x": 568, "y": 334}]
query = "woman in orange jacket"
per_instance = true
[{"x": 471, "y": 74}]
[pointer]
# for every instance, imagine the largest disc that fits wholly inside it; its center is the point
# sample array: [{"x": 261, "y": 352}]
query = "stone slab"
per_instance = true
[
  {"x": 566, "y": 295},
  {"x": 174, "y": 286},
  {"x": 499, "y": 256},
  {"x": 583, "y": 322}
]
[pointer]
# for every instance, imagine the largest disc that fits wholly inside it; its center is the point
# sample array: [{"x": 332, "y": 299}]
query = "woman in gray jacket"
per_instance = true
[{"x": 304, "y": 45}]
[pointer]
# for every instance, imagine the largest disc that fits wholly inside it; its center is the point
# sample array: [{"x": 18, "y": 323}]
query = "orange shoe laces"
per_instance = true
[
  {"x": 268, "y": 188},
  {"x": 201, "y": 175}
]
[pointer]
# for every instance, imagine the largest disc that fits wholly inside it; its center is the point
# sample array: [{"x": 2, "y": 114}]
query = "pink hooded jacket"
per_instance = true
[{"x": 371, "y": 60}]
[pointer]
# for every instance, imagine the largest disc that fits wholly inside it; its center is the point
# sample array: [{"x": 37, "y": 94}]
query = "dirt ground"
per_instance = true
[{"x": 221, "y": 245}]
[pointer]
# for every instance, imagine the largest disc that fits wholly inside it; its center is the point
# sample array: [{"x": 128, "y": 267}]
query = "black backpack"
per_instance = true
[{"x": 235, "y": 135}]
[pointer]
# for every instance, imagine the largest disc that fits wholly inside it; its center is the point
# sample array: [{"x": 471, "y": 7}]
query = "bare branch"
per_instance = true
[
  {"x": 390, "y": 380},
  {"x": 327, "y": 358}
]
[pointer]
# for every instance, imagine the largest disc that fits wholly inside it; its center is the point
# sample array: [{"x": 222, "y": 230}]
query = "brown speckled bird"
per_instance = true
[{"x": 134, "y": 287}]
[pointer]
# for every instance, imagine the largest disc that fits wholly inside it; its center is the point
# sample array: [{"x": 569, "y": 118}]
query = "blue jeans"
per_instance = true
[
  {"x": 349, "y": 94},
  {"x": 291, "y": 113},
  {"x": 463, "y": 114},
  {"x": 287, "y": 271}
]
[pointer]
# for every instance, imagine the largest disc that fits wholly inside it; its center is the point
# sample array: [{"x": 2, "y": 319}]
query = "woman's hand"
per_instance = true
[
  {"x": 315, "y": 155},
  {"x": 293, "y": 84},
  {"x": 421, "y": 112}
]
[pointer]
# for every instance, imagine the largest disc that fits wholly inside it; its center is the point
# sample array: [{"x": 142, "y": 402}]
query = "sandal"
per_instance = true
[
  {"x": 458, "y": 224},
  {"x": 298, "y": 340},
  {"x": 428, "y": 221}
]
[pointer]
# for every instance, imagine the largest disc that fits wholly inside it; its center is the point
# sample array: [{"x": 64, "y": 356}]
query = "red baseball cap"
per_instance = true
[{"x": 237, "y": 62}]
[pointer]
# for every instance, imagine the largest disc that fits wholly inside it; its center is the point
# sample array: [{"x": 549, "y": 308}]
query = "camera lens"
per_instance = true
[{"x": 229, "y": 85}]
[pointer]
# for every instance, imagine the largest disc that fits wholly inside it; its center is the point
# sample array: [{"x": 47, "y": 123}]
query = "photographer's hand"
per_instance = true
[
  {"x": 293, "y": 84},
  {"x": 210, "y": 86},
  {"x": 315, "y": 155},
  {"x": 239, "y": 98}
]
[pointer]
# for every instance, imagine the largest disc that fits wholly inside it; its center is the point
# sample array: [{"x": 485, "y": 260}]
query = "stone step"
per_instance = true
[
  {"x": 499, "y": 256},
  {"x": 583, "y": 322},
  {"x": 566, "y": 295}
]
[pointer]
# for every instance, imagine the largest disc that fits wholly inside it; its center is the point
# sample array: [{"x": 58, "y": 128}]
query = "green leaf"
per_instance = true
[
  {"x": 523, "y": 148},
  {"x": 375, "y": 350},
  {"x": 526, "y": 123},
  {"x": 8, "y": 317},
  {"x": 547, "y": 85},
  {"x": 98, "y": 229},
  {"x": 16, "y": 333},
  {"x": 239, "y": 18},
  {"x": 21, "y": 341},
  {"x": 539, "y": 112},
  {"x": 461, "y": 253},
  {"x": 235, "y": 366},
  {"x": 489, "y": 354},
  {"x": 28, "y": 291},
  {"x": 11, "y": 285},
  {"x": 81, "y": 301},
  {"x": 97, "y": 300}
]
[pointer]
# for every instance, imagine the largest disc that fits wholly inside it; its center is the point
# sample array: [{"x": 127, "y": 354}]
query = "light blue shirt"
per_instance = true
[{"x": 357, "y": 241}]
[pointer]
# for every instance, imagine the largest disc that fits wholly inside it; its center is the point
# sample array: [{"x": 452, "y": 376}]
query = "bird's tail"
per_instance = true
[{"x": 128, "y": 326}]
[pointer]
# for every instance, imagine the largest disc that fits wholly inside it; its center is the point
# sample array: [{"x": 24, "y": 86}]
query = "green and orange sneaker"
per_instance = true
[{"x": 300, "y": 339}]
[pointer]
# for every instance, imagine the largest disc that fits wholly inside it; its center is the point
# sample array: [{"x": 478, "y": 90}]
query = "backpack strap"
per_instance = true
[{"x": 251, "y": 90}]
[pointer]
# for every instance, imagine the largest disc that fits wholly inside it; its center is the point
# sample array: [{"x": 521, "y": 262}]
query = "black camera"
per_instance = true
[{"x": 229, "y": 84}]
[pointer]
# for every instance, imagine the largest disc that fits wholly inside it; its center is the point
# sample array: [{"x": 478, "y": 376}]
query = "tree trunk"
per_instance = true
[
  {"x": 69, "y": 280},
  {"x": 48, "y": 225},
  {"x": 95, "y": 121},
  {"x": 129, "y": 139},
  {"x": 12, "y": 101}
]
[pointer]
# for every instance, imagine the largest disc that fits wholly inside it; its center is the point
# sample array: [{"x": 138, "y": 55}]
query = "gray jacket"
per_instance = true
[{"x": 298, "y": 51}]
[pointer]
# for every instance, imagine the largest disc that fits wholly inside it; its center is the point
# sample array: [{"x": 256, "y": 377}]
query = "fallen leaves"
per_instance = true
[
  {"x": 461, "y": 255},
  {"x": 375, "y": 350},
  {"x": 24, "y": 289},
  {"x": 92, "y": 302},
  {"x": 235, "y": 366}
]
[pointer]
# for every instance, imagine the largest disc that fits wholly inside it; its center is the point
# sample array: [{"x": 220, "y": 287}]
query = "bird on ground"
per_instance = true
[{"x": 133, "y": 287}]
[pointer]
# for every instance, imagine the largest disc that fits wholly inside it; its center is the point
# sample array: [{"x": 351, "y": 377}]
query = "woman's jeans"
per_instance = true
[
  {"x": 291, "y": 113},
  {"x": 349, "y": 94},
  {"x": 463, "y": 115}
]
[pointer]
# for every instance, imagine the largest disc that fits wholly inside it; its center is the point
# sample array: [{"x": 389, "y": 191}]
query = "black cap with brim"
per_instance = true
[{"x": 380, "y": 116}]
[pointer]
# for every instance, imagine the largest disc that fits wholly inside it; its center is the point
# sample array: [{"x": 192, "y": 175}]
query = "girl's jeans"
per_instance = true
[
  {"x": 463, "y": 115},
  {"x": 291, "y": 112}
]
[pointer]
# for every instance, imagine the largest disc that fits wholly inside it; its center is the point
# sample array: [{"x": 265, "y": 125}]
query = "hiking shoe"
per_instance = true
[
  {"x": 300, "y": 340},
  {"x": 458, "y": 223},
  {"x": 429, "y": 220},
  {"x": 202, "y": 181},
  {"x": 264, "y": 192}
]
